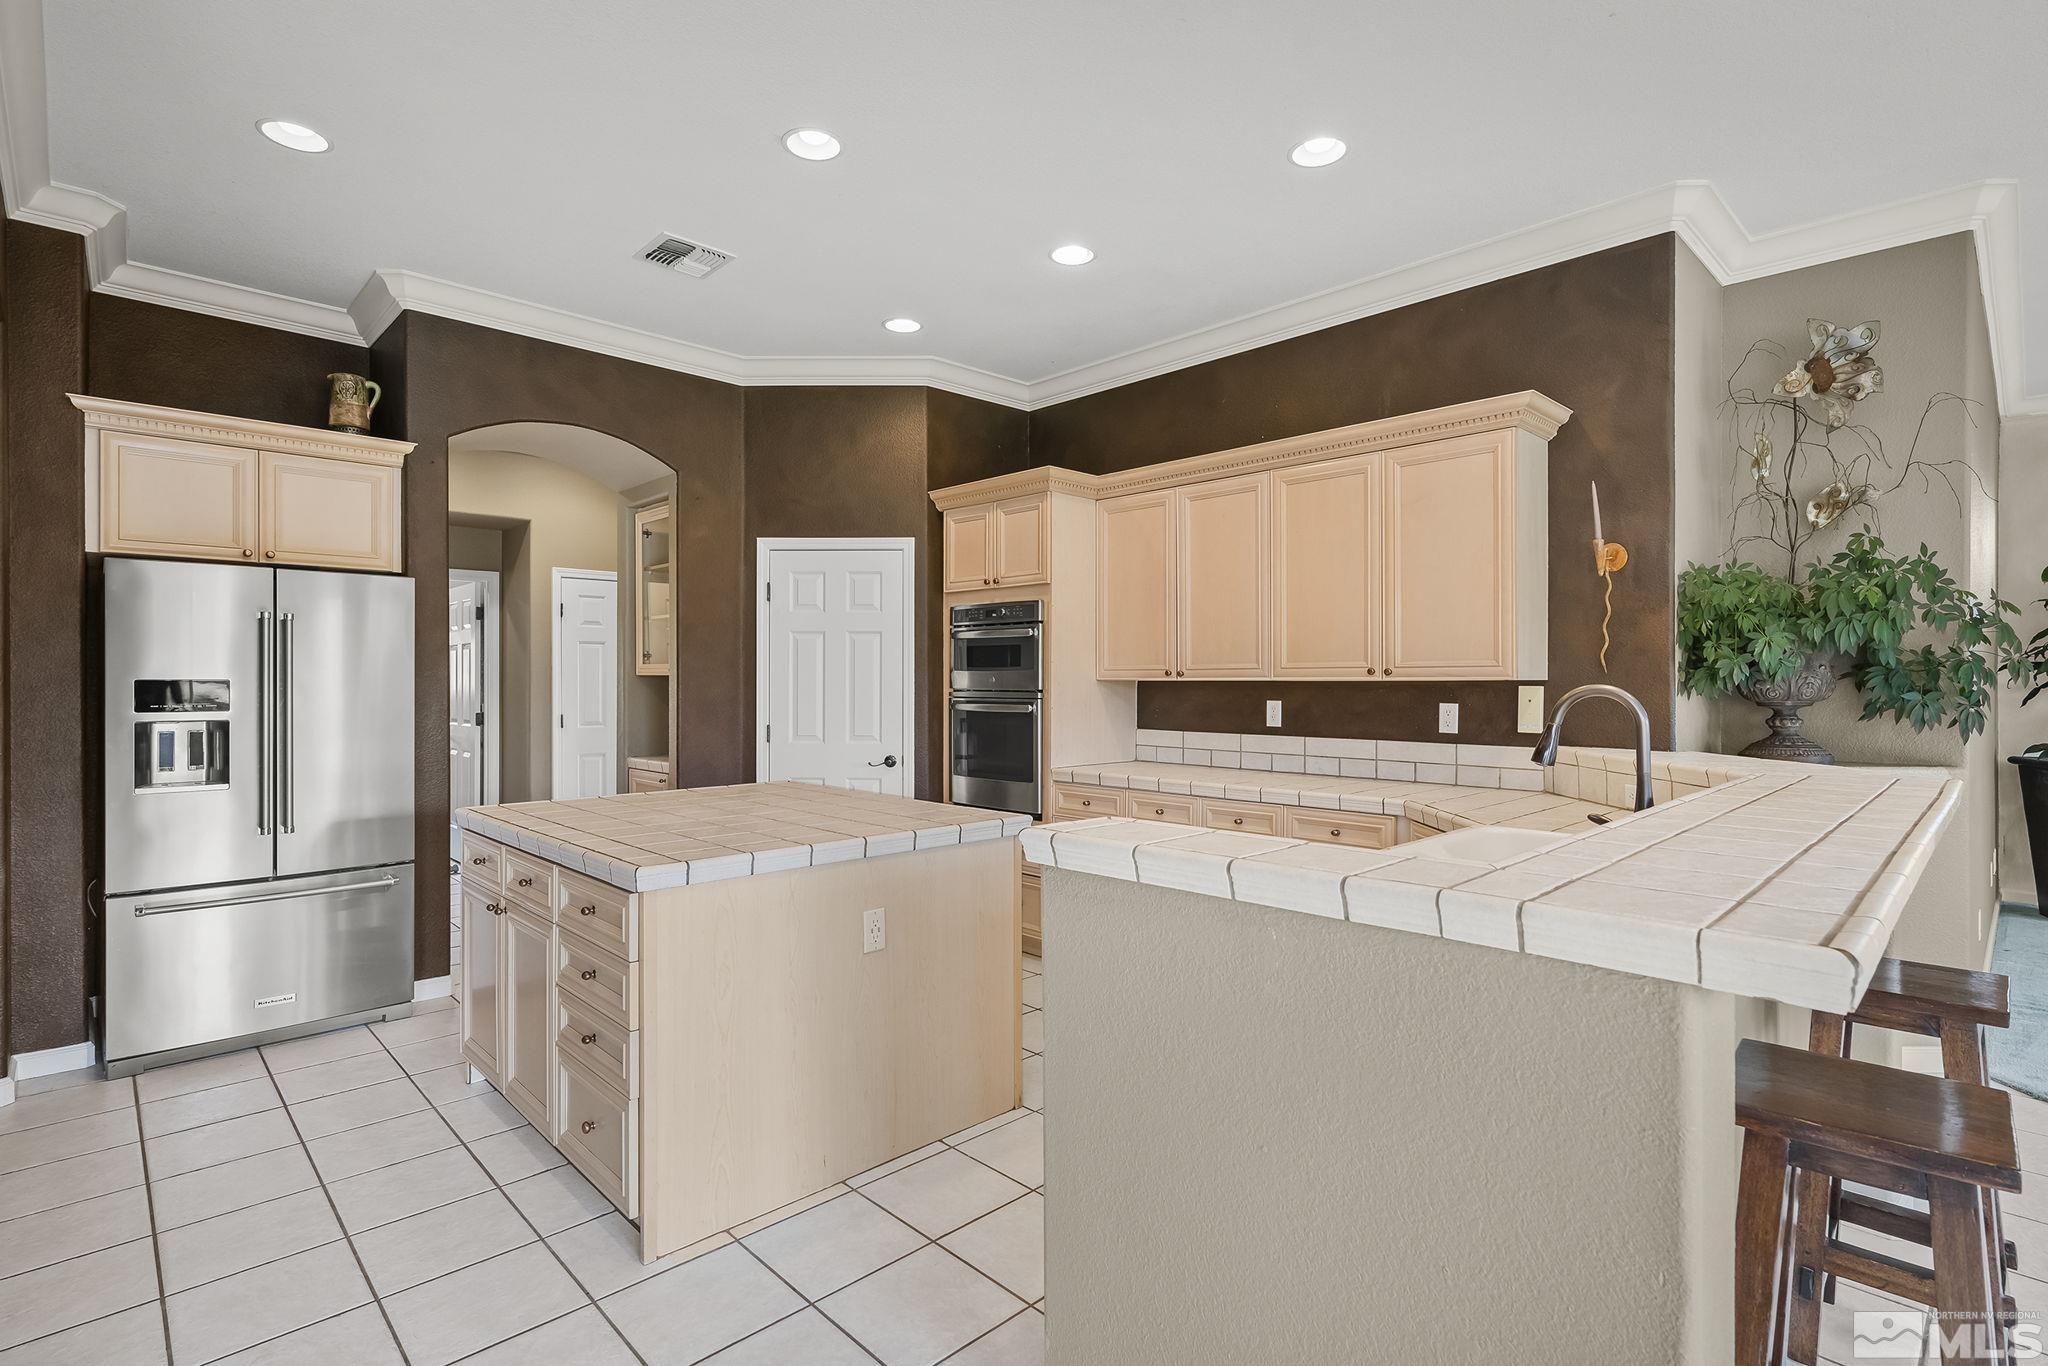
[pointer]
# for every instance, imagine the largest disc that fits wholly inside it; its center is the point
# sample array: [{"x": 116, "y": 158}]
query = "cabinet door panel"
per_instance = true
[
  {"x": 482, "y": 994},
  {"x": 1225, "y": 578},
  {"x": 968, "y": 548},
  {"x": 1134, "y": 587},
  {"x": 1023, "y": 541},
  {"x": 329, "y": 512},
  {"x": 1327, "y": 570},
  {"x": 1449, "y": 551},
  {"x": 167, "y": 497},
  {"x": 527, "y": 969},
  {"x": 654, "y": 573}
]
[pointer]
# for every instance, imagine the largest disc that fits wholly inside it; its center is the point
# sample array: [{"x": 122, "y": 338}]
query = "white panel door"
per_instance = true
[
  {"x": 465, "y": 693},
  {"x": 835, "y": 699},
  {"x": 586, "y": 684}
]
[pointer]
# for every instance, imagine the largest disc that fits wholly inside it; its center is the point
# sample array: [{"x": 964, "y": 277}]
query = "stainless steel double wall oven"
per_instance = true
[{"x": 997, "y": 711}]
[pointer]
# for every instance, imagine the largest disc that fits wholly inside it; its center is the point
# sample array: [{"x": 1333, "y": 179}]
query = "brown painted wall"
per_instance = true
[
  {"x": 1593, "y": 333},
  {"x": 146, "y": 353},
  {"x": 48, "y": 957}
]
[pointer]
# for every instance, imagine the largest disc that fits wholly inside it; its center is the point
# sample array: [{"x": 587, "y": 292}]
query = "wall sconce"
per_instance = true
[{"x": 1608, "y": 556}]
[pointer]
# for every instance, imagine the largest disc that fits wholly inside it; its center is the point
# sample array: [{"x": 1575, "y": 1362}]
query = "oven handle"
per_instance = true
[
  {"x": 984, "y": 632},
  {"x": 1009, "y": 707}
]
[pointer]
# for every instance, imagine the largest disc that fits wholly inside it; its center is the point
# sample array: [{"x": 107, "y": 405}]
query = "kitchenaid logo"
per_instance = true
[
  {"x": 285, "y": 999},
  {"x": 1903, "y": 1335}
]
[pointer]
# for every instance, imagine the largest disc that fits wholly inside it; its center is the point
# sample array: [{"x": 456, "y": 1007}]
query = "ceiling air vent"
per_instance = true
[{"x": 685, "y": 258}]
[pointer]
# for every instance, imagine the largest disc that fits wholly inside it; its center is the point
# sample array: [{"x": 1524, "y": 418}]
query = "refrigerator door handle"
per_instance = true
[
  {"x": 161, "y": 907},
  {"x": 266, "y": 760},
  {"x": 287, "y": 778}
]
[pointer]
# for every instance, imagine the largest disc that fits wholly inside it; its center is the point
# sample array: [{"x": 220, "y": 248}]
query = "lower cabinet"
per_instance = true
[
  {"x": 1071, "y": 801},
  {"x": 1034, "y": 931},
  {"x": 526, "y": 954},
  {"x": 599, "y": 1130},
  {"x": 483, "y": 1033}
]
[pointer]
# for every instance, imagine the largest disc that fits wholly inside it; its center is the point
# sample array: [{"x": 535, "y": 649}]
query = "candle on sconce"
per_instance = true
[{"x": 1597, "y": 537}]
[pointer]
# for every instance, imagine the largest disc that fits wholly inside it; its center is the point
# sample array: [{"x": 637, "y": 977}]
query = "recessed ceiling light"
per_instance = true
[
  {"x": 1317, "y": 151},
  {"x": 296, "y": 136},
  {"x": 812, "y": 144},
  {"x": 1072, "y": 254},
  {"x": 903, "y": 324}
]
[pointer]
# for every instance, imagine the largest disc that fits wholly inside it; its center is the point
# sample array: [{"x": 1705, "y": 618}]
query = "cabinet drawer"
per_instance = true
[
  {"x": 603, "y": 981},
  {"x": 597, "y": 911},
  {"x": 483, "y": 864},
  {"x": 599, "y": 1131},
  {"x": 1075, "y": 802},
  {"x": 1147, "y": 806},
  {"x": 1241, "y": 816},
  {"x": 1363, "y": 832},
  {"x": 529, "y": 881},
  {"x": 600, "y": 1044}
]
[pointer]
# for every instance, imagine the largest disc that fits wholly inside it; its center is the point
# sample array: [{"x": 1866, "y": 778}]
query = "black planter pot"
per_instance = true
[{"x": 2033, "y": 766}]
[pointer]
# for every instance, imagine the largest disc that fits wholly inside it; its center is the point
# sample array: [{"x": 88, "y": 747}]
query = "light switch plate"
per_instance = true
[
  {"x": 1273, "y": 713},
  {"x": 1447, "y": 718},
  {"x": 874, "y": 933},
  {"x": 1529, "y": 709}
]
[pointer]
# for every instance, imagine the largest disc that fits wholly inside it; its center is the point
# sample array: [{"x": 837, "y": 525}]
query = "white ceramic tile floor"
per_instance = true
[{"x": 319, "y": 1201}]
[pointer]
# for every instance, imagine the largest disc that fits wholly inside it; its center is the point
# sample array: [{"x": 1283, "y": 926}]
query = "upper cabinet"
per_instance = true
[
  {"x": 1223, "y": 574},
  {"x": 653, "y": 592},
  {"x": 998, "y": 545},
  {"x": 1326, "y": 560},
  {"x": 1135, "y": 626},
  {"x": 162, "y": 481},
  {"x": 1452, "y": 563}
]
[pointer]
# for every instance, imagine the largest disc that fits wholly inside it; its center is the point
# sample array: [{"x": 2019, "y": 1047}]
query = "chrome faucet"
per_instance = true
[{"x": 1546, "y": 748}]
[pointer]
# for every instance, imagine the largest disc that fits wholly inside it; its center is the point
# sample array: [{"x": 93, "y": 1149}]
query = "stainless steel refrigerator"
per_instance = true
[{"x": 258, "y": 836}]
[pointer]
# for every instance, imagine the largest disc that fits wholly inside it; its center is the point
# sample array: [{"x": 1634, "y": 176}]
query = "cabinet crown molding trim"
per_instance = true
[
  {"x": 142, "y": 419},
  {"x": 1528, "y": 411}
]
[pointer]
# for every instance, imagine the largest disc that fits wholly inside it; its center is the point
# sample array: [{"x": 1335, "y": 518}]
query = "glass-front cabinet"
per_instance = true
[{"x": 653, "y": 586}]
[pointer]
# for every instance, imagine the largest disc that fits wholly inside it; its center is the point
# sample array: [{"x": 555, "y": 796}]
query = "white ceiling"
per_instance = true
[{"x": 529, "y": 149}]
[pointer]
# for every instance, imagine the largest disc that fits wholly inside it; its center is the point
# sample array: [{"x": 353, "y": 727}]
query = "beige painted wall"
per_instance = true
[
  {"x": 553, "y": 518},
  {"x": 1282, "y": 1138},
  {"x": 476, "y": 547},
  {"x": 1934, "y": 340},
  {"x": 2022, "y": 553},
  {"x": 1703, "y": 493}
]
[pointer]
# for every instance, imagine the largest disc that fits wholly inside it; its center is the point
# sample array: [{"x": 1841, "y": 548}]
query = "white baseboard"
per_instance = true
[
  {"x": 7, "y": 1087},
  {"x": 427, "y": 988},
  {"x": 53, "y": 1060}
]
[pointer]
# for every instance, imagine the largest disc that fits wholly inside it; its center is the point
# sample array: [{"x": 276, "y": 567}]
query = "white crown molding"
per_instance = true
[{"x": 1988, "y": 210}]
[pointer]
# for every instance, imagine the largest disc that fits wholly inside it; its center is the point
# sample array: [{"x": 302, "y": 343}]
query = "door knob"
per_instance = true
[{"x": 887, "y": 761}]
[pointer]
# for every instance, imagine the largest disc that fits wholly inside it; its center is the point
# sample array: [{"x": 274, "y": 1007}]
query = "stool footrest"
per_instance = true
[
  {"x": 1881, "y": 1216},
  {"x": 1879, "y": 1272}
]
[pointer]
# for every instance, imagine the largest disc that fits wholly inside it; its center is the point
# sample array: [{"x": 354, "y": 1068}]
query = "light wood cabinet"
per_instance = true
[
  {"x": 1248, "y": 818},
  {"x": 526, "y": 955},
  {"x": 184, "y": 498},
  {"x": 1136, "y": 630},
  {"x": 164, "y": 481},
  {"x": 333, "y": 513},
  {"x": 1327, "y": 569},
  {"x": 1223, "y": 574},
  {"x": 482, "y": 974},
  {"x": 640, "y": 780},
  {"x": 653, "y": 588},
  {"x": 1450, "y": 538},
  {"x": 997, "y": 545},
  {"x": 1072, "y": 801},
  {"x": 1029, "y": 915}
]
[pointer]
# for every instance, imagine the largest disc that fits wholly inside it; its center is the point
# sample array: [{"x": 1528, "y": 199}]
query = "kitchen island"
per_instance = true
[
  {"x": 1465, "y": 1098},
  {"x": 685, "y": 993}
]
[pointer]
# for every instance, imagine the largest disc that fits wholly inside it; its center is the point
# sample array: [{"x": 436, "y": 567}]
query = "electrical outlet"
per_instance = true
[
  {"x": 1529, "y": 709},
  {"x": 1273, "y": 713},
  {"x": 1447, "y": 718},
  {"x": 874, "y": 933}
]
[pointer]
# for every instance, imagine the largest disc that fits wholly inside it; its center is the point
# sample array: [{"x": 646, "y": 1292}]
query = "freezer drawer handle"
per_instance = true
[{"x": 160, "y": 907}]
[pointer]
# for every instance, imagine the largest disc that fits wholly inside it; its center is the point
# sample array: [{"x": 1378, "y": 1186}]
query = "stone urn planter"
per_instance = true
[{"x": 1816, "y": 680}]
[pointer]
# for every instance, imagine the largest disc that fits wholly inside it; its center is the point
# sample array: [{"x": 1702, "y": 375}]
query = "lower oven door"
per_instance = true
[
  {"x": 209, "y": 964},
  {"x": 995, "y": 753}
]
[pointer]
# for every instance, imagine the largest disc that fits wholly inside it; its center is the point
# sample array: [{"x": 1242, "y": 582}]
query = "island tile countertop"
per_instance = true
[
  {"x": 1778, "y": 881},
  {"x": 647, "y": 841}
]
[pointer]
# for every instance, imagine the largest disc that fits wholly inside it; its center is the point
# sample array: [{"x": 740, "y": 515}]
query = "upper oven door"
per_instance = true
[{"x": 996, "y": 658}]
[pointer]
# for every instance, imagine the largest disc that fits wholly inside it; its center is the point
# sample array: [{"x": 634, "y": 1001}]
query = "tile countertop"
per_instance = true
[
  {"x": 1782, "y": 883},
  {"x": 649, "y": 763},
  {"x": 648, "y": 841}
]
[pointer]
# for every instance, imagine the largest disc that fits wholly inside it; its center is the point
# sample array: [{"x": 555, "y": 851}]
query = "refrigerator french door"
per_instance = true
[{"x": 258, "y": 780}]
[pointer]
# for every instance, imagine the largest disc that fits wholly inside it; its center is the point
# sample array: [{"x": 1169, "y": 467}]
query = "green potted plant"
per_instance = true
[
  {"x": 2033, "y": 767},
  {"x": 1919, "y": 647}
]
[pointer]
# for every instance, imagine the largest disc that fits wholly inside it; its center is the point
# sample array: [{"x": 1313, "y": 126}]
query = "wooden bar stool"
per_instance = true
[
  {"x": 1947, "y": 1142},
  {"x": 1949, "y": 1004}
]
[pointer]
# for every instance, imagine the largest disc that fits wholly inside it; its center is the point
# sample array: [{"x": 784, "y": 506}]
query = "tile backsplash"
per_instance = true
[{"x": 1397, "y": 760}]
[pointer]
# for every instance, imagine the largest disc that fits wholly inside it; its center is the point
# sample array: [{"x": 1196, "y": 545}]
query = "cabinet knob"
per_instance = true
[
  {"x": 589, "y": 974},
  {"x": 1086, "y": 802},
  {"x": 1390, "y": 673},
  {"x": 586, "y": 910},
  {"x": 984, "y": 583},
  {"x": 1180, "y": 673},
  {"x": 1167, "y": 672},
  {"x": 1336, "y": 834},
  {"x": 588, "y": 1038},
  {"x": 1158, "y": 810},
  {"x": 526, "y": 882},
  {"x": 1369, "y": 669},
  {"x": 248, "y": 554},
  {"x": 494, "y": 908},
  {"x": 479, "y": 861},
  {"x": 589, "y": 1126},
  {"x": 1237, "y": 820},
  {"x": 270, "y": 554}
]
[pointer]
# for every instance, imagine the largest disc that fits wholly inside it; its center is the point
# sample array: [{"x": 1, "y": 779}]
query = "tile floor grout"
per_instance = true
[{"x": 156, "y": 1250}]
